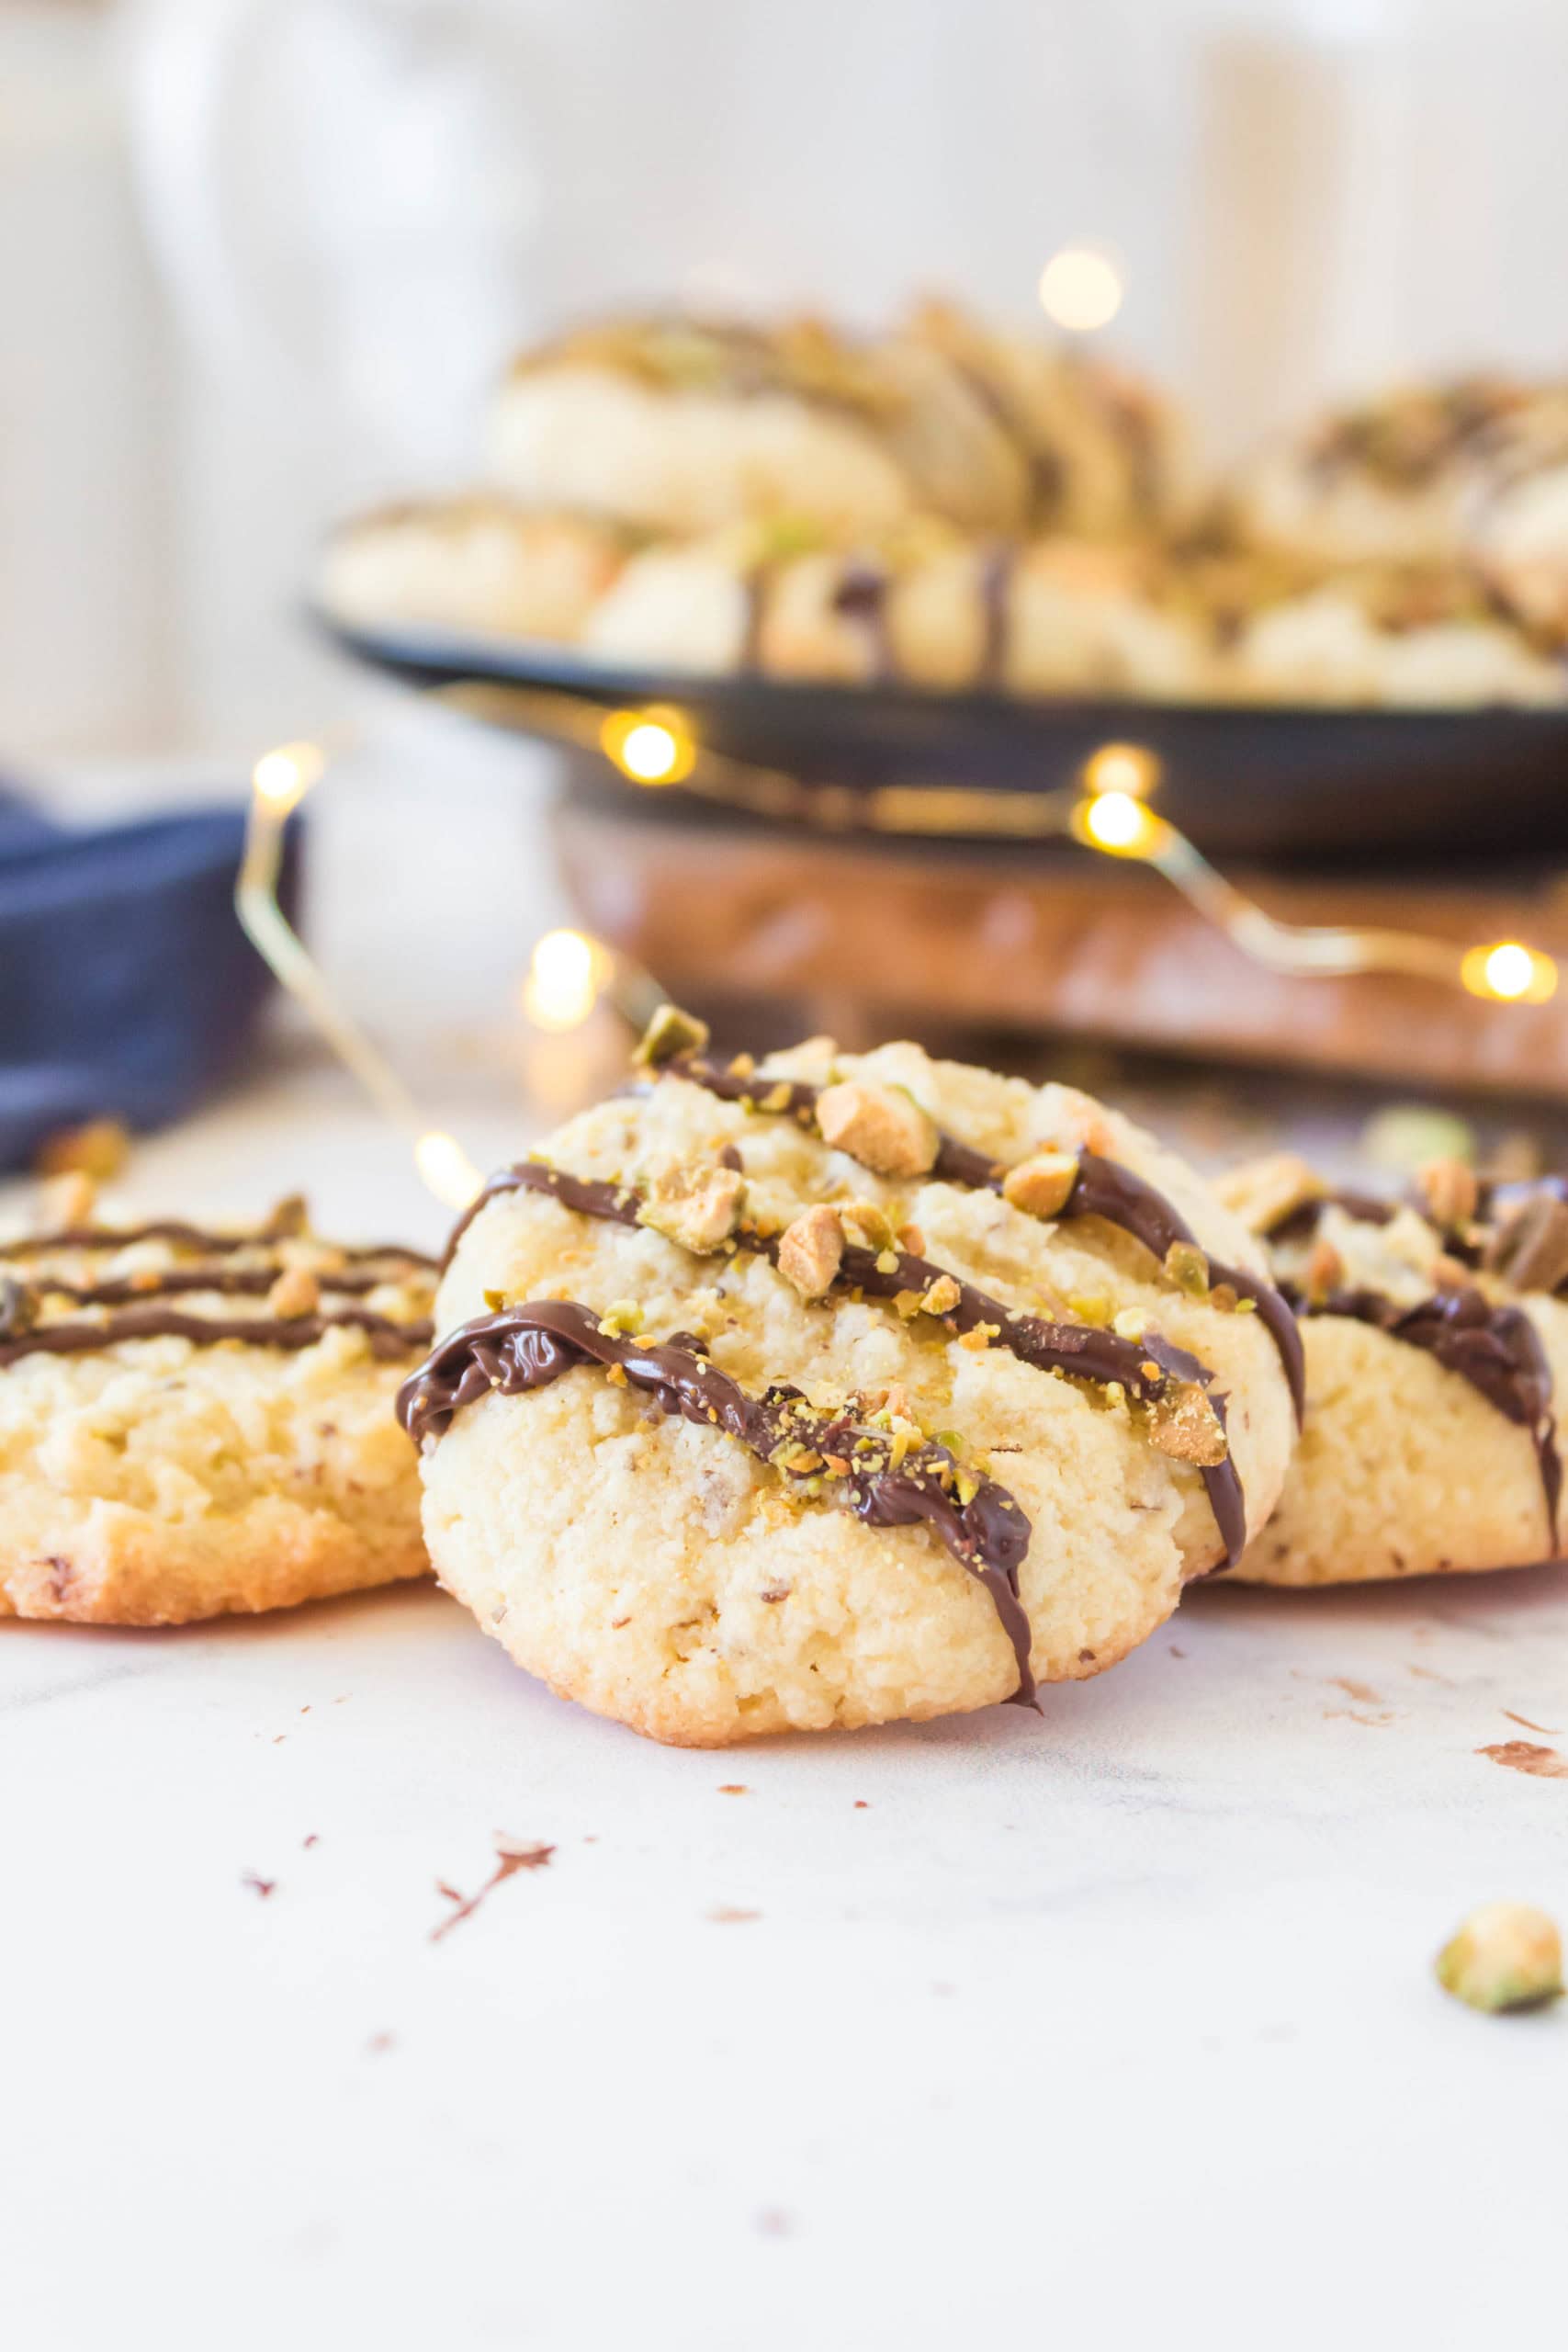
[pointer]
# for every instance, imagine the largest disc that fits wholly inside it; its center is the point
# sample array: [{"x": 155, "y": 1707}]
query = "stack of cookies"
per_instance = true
[
  {"x": 962, "y": 508},
  {"x": 802, "y": 1393}
]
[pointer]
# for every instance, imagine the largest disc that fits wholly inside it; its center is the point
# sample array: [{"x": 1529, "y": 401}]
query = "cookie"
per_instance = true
[
  {"x": 1108, "y": 456},
  {"x": 475, "y": 564},
  {"x": 1412, "y": 636},
  {"x": 1429, "y": 1442},
  {"x": 197, "y": 1422},
  {"x": 1389, "y": 480},
  {"x": 676, "y": 425},
  {"x": 1516, "y": 521},
  {"x": 840, "y": 1389},
  {"x": 924, "y": 605}
]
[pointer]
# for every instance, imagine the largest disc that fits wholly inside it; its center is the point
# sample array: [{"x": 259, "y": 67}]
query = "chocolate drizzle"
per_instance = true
[
  {"x": 388, "y": 1338},
  {"x": 862, "y": 597},
  {"x": 24, "y": 1330},
  {"x": 997, "y": 565},
  {"x": 285, "y": 1224},
  {"x": 1497, "y": 1348},
  {"x": 1146, "y": 1368},
  {"x": 526, "y": 1347},
  {"x": 1104, "y": 1187}
]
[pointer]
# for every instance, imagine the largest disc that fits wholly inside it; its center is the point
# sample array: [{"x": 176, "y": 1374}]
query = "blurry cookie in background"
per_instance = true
[
  {"x": 1411, "y": 636},
  {"x": 194, "y": 1422},
  {"x": 1109, "y": 453},
  {"x": 1387, "y": 480},
  {"x": 1516, "y": 522},
  {"x": 1432, "y": 1384},
  {"x": 680, "y": 425},
  {"x": 478, "y": 562},
  {"x": 924, "y": 605}
]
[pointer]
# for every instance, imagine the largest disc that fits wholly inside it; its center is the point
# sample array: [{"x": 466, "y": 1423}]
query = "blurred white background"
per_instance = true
[{"x": 258, "y": 258}]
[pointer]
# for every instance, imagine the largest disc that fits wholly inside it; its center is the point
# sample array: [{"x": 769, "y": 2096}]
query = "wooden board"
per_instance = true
[{"x": 872, "y": 939}]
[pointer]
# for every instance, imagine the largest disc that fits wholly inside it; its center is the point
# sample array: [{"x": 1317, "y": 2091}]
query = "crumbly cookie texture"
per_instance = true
[
  {"x": 478, "y": 562},
  {"x": 661, "y": 1574},
  {"x": 157, "y": 1479},
  {"x": 1404, "y": 1468}
]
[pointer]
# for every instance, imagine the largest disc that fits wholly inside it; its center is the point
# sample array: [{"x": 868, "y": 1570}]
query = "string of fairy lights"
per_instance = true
[{"x": 1108, "y": 808}]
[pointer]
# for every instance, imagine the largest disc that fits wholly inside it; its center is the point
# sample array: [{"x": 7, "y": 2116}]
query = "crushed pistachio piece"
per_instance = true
[
  {"x": 1041, "y": 1185},
  {"x": 1187, "y": 1268},
  {"x": 867, "y": 1225},
  {"x": 1184, "y": 1425},
  {"x": 698, "y": 1212},
  {"x": 1091, "y": 1306},
  {"x": 979, "y": 1337},
  {"x": 1131, "y": 1323},
  {"x": 811, "y": 1250},
  {"x": 670, "y": 1033},
  {"x": 942, "y": 1296},
  {"x": 620, "y": 1318},
  {"x": 883, "y": 1127},
  {"x": 1505, "y": 1956}
]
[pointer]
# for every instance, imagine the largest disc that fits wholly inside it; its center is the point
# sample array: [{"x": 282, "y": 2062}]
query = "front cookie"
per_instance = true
[
  {"x": 842, "y": 1390},
  {"x": 195, "y": 1422}
]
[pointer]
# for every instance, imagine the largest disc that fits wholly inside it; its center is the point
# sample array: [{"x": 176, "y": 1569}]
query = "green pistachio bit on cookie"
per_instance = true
[
  {"x": 1041, "y": 1186},
  {"x": 1187, "y": 1268},
  {"x": 670, "y": 1033},
  {"x": 883, "y": 1127}
]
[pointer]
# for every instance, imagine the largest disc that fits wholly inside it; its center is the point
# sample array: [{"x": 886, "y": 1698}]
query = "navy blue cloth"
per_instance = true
[{"x": 127, "y": 987}]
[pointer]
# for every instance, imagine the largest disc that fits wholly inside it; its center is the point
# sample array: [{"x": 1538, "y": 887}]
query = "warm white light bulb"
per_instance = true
[
  {"x": 447, "y": 1169},
  {"x": 1080, "y": 288},
  {"x": 562, "y": 985}
]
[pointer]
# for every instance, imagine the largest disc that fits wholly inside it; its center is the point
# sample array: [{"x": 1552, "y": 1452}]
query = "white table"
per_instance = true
[{"x": 1112, "y": 2028}]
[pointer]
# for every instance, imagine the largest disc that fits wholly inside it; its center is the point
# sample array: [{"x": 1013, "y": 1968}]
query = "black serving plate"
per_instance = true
[{"x": 1243, "y": 780}]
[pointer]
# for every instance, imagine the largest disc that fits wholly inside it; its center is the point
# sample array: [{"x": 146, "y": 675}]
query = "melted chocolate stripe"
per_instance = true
[
  {"x": 1104, "y": 1188},
  {"x": 221, "y": 1282},
  {"x": 526, "y": 1347},
  {"x": 1082, "y": 1350},
  {"x": 192, "y": 1237},
  {"x": 1497, "y": 1348},
  {"x": 388, "y": 1339}
]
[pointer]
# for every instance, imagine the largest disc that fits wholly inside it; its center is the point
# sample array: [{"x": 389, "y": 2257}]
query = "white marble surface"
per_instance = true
[{"x": 1115, "y": 2027}]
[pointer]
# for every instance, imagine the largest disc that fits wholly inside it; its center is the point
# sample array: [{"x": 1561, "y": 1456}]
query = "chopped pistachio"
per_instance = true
[
  {"x": 942, "y": 1296},
  {"x": 867, "y": 1225},
  {"x": 670, "y": 1033},
  {"x": 622, "y": 1315},
  {"x": 1505, "y": 1956},
  {"x": 1185, "y": 1426},
  {"x": 698, "y": 1213},
  {"x": 1187, "y": 1268},
  {"x": 1041, "y": 1186},
  {"x": 883, "y": 1127},
  {"x": 1130, "y": 1324},
  {"x": 811, "y": 1250}
]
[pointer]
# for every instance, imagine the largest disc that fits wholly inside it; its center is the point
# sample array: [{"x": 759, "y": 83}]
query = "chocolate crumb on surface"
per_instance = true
[
  {"x": 1527, "y": 1756},
  {"x": 510, "y": 1858}
]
